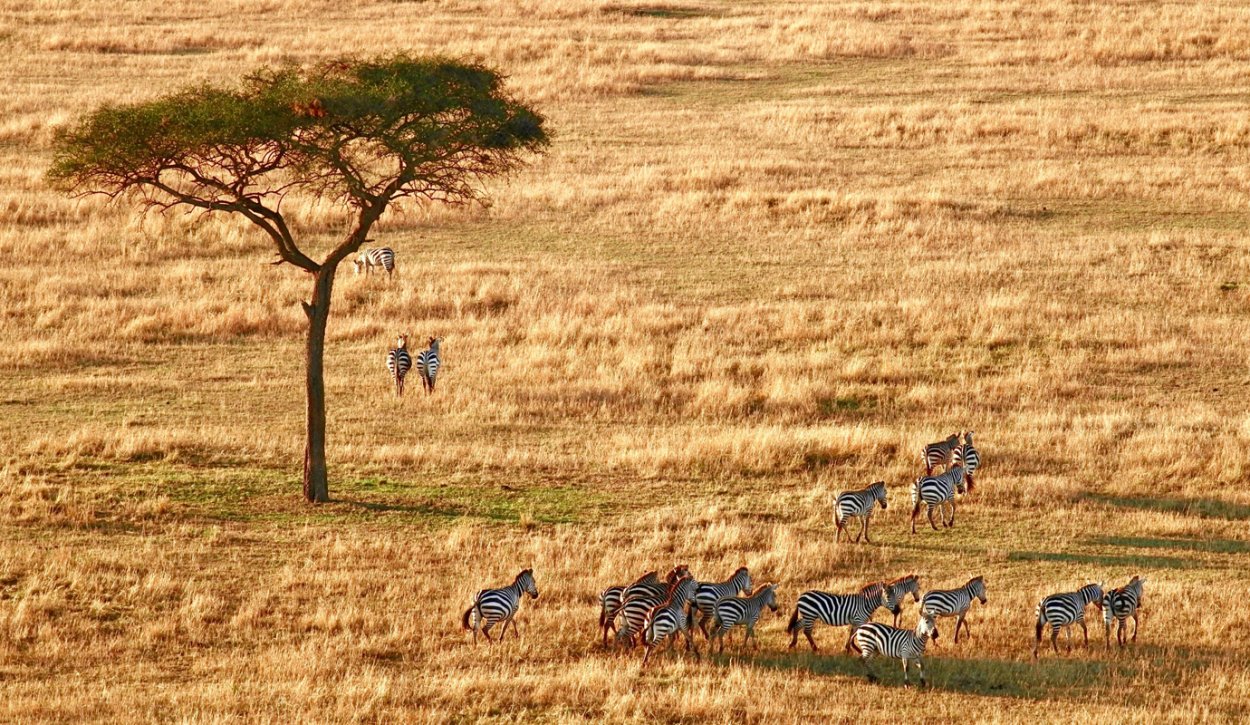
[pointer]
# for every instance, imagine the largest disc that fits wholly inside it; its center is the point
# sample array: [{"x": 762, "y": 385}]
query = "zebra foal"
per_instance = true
[
  {"x": 967, "y": 456},
  {"x": 1119, "y": 605},
  {"x": 734, "y": 611},
  {"x": 857, "y": 505},
  {"x": 380, "y": 258},
  {"x": 954, "y": 603},
  {"x": 936, "y": 492},
  {"x": 875, "y": 638},
  {"x": 491, "y": 606},
  {"x": 940, "y": 453},
  {"x": 1065, "y": 610},
  {"x": 708, "y": 593}
]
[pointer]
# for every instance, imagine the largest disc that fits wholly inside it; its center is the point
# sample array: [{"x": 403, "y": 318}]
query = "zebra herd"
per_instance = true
[{"x": 398, "y": 360}]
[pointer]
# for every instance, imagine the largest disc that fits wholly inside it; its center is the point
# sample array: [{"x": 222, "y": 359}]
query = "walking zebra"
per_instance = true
[
  {"x": 398, "y": 361},
  {"x": 1119, "y": 605},
  {"x": 954, "y": 603},
  {"x": 939, "y": 453},
  {"x": 836, "y": 610},
  {"x": 709, "y": 593},
  {"x": 857, "y": 504},
  {"x": 637, "y": 601},
  {"x": 381, "y": 258},
  {"x": 1064, "y": 610},
  {"x": 670, "y": 617},
  {"x": 499, "y": 605},
  {"x": 875, "y": 638},
  {"x": 967, "y": 456},
  {"x": 427, "y": 364},
  {"x": 732, "y": 611},
  {"x": 898, "y": 591},
  {"x": 936, "y": 492}
]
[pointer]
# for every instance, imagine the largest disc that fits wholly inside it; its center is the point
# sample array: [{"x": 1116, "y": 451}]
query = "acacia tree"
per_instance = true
[{"x": 366, "y": 133}]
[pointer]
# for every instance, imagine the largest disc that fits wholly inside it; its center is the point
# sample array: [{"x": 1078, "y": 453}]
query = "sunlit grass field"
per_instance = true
[{"x": 774, "y": 249}]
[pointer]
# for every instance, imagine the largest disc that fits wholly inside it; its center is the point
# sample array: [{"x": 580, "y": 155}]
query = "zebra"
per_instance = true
[
  {"x": 857, "y": 504},
  {"x": 610, "y": 599},
  {"x": 875, "y": 638},
  {"x": 637, "y": 600},
  {"x": 954, "y": 603},
  {"x": 499, "y": 605},
  {"x": 941, "y": 452},
  {"x": 967, "y": 456},
  {"x": 1064, "y": 610},
  {"x": 1119, "y": 605},
  {"x": 936, "y": 492},
  {"x": 428, "y": 362},
  {"x": 398, "y": 362},
  {"x": 898, "y": 591},
  {"x": 732, "y": 611},
  {"x": 708, "y": 593},
  {"x": 665, "y": 620},
  {"x": 382, "y": 257},
  {"x": 837, "y": 610}
]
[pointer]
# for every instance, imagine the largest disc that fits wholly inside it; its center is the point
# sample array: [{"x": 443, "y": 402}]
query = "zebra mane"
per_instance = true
[
  {"x": 669, "y": 594},
  {"x": 903, "y": 579},
  {"x": 647, "y": 578}
]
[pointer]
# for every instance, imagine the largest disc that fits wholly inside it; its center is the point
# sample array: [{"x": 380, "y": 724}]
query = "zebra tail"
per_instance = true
[
  {"x": 464, "y": 621},
  {"x": 794, "y": 622}
]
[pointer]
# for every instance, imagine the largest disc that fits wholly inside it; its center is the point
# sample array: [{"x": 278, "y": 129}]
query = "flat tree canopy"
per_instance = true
[{"x": 362, "y": 132}]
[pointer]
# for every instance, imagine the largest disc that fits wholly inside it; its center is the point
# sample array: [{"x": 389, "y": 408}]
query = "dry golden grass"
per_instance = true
[{"x": 775, "y": 248}]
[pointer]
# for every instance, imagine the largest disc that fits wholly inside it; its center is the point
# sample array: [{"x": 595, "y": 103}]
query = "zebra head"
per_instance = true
[
  {"x": 435, "y": 342},
  {"x": 878, "y": 595},
  {"x": 677, "y": 573},
  {"x": 927, "y": 627},
  {"x": 401, "y": 341},
  {"x": 904, "y": 585},
  {"x": 976, "y": 586},
  {"x": 968, "y": 436},
  {"x": 878, "y": 493},
  {"x": 1091, "y": 593},
  {"x": 742, "y": 579},
  {"x": 359, "y": 263},
  {"x": 525, "y": 580},
  {"x": 769, "y": 592}
]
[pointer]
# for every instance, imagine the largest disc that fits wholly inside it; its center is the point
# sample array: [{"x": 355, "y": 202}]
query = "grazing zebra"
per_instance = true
[
  {"x": 898, "y": 591},
  {"x": 954, "y": 603},
  {"x": 837, "y": 610},
  {"x": 939, "y": 453},
  {"x": 967, "y": 456},
  {"x": 732, "y": 611},
  {"x": 709, "y": 593},
  {"x": 368, "y": 259},
  {"x": 936, "y": 492},
  {"x": 857, "y": 504},
  {"x": 1119, "y": 605},
  {"x": 1064, "y": 610},
  {"x": 499, "y": 605},
  {"x": 671, "y": 616},
  {"x": 398, "y": 361},
  {"x": 427, "y": 364},
  {"x": 637, "y": 601},
  {"x": 875, "y": 638}
]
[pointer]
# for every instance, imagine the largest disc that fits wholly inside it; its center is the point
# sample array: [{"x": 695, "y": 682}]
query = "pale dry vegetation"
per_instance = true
[{"x": 776, "y": 247}]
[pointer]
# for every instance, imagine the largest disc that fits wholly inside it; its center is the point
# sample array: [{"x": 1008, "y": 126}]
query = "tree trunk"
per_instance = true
[{"x": 316, "y": 483}]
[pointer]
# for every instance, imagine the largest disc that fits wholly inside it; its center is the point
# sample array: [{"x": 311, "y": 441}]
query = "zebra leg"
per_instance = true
[
  {"x": 906, "y": 680},
  {"x": 920, "y": 667},
  {"x": 866, "y": 539},
  {"x": 851, "y": 638},
  {"x": 952, "y": 519},
  {"x": 1085, "y": 631},
  {"x": 1054, "y": 638},
  {"x": 915, "y": 511},
  {"x": 808, "y": 633},
  {"x": 837, "y": 533},
  {"x": 863, "y": 660},
  {"x": 935, "y": 528},
  {"x": 646, "y": 656},
  {"x": 1134, "y": 626},
  {"x": 958, "y": 623}
]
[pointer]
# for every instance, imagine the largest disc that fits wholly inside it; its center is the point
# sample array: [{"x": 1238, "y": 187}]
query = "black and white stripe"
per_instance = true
[
  {"x": 936, "y": 492},
  {"x": 370, "y": 259},
  {"x": 731, "y": 612},
  {"x": 1064, "y": 610},
  {"x": 939, "y": 453},
  {"x": 708, "y": 593},
  {"x": 875, "y": 638},
  {"x": 428, "y": 363},
  {"x": 857, "y": 504},
  {"x": 898, "y": 591},
  {"x": 398, "y": 362},
  {"x": 637, "y": 601},
  {"x": 968, "y": 456},
  {"x": 670, "y": 617},
  {"x": 492, "y": 606},
  {"x": 837, "y": 610},
  {"x": 954, "y": 603},
  {"x": 1119, "y": 605}
]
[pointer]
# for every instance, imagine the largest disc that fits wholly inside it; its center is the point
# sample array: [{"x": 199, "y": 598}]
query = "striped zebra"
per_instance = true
[
  {"x": 1065, "y": 610},
  {"x": 733, "y": 611},
  {"x": 857, "y": 504},
  {"x": 491, "y": 606},
  {"x": 836, "y": 610},
  {"x": 939, "y": 453},
  {"x": 968, "y": 457},
  {"x": 380, "y": 258},
  {"x": 1119, "y": 605},
  {"x": 637, "y": 601},
  {"x": 954, "y": 603},
  {"x": 428, "y": 362},
  {"x": 398, "y": 362},
  {"x": 708, "y": 593},
  {"x": 669, "y": 618},
  {"x": 610, "y": 601},
  {"x": 936, "y": 492},
  {"x": 875, "y": 638},
  {"x": 898, "y": 591}
]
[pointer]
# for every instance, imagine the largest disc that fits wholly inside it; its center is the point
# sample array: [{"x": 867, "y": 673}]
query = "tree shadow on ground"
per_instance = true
[
  {"x": 1215, "y": 546},
  {"x": 1154, "y": 562},
  {"x": 1207, "y": 508}
]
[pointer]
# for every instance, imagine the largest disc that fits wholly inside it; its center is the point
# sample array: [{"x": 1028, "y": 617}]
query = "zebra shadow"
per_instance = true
[
  {"x": 1213, "y": 546},
  {"x": 1207, "y": 508}
]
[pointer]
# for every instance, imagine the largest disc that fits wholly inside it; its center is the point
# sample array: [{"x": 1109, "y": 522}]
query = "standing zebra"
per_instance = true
[
  {"x": 1064, "y": 610},
  {"x": 708, "y": 593},
  {"x": 381, "y": 258},
  {"x": 637, "y": 601},
  {"x": 670, "y": 617},
  {"x": 499, "y": 605},
  {"x": 857, "y": 504},
  {"x": 954, "y": 603},
  {"x": 941, "y": 453},
  {"x": 936, "y": 492},
  {"x": 898, "y": 591},
  {"x": 967, "y": 456},
  {"x": 610, "y": 600},
  {"x": 732, "y": 611},
  {"x": 875, "y": 638},
  {"x": 836, "y": 610},
  {"x": 398, "y": 361},
  {"x": 427, "y": 364},
  {"x": 1119, "y": 605}
]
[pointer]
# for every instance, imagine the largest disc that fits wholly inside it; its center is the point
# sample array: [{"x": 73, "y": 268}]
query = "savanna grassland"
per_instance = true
[{"x": 775, "y": 247}]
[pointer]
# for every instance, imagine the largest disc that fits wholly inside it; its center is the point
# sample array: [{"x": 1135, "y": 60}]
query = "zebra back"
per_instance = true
[
  {"x": 859, "y": 503},
  {"x": 940, "y": 452},
  {"x": 1123, "y": 602},
  {"x": 708, "y": 593},
  {"x": 732, "y": 611}
]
